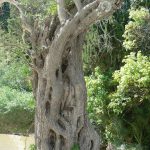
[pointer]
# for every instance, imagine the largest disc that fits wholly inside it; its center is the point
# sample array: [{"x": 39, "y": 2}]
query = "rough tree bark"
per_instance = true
[
  {"x": 58, "y": 81},
  {"x": 61, "y": 120}
]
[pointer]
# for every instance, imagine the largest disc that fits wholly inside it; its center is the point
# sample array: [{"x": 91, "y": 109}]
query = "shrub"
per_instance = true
[
  {"x": 120, "y": 108},
  {"x": 133, "y": 83},
  {"x": 32, "y": 147},
  {"x": 130, "y": 102},
  {"x": 137, "y": 31},
  {"x": 98, "y": 86},
  {"x": 16, "y": 110},
  {"x": 15, "y": 75}
]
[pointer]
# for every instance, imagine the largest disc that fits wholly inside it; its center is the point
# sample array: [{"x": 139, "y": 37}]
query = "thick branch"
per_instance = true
[
  {"x": 98, "y": 9},
  {"x": 78, "y": 4},
  {"x": 61, "y": 11},
  {"x": 25, "y": 25}
]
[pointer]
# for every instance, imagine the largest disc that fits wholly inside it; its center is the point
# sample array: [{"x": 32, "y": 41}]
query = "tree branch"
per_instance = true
[
  {"x": 25, "y": 25},
  {"x": 91, "y": 12},
  {"x": 95, "y": 10},
  {"x": 61, "y": 11},
  {"x": 78, "y": 4}
]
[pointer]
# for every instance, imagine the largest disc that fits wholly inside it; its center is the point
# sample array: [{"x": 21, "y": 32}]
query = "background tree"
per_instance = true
[
  {"x": 130, "y": 35},
  {"x": 107, "y": 41},
  {"x": 58, "y": 84}
]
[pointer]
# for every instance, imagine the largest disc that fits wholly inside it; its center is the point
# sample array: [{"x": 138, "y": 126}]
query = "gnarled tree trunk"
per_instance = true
[
  {"x": 58, "y": 82},
  {"x": 61, "y": 119}
]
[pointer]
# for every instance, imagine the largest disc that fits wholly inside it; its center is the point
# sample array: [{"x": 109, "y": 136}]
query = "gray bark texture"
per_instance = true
[
  {"x": 58, "y": 82},
  {"x": 61, "y": 119}
]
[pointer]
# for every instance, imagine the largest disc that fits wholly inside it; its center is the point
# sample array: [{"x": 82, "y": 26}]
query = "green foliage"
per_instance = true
[
  {"x": 14, "y": 71},
  {"x": 134, "y": 83},
  {"x": 137, "y": 31},
  {"x": 120, "y": 108},
  {"x": 16, "y": 101},
  {"x": 12, "y": 46},
  {"x": 15, "y": 75},
  {"x": 97, "y": 95},
  {"x": 103, "y": 44},
  {"x": 131, "y": 100},
  {"x": 98, "y": 86},
  {"x": 139, "y": 3},
  {"x": 121, "y": 113},
  {"x": 32, "y": 147},
  {"x": 75, "y": 147},
  {"x": 36, "y": 9},
  {"x": 16, "y": 110},
  {"x": 4, "y": 15},
  {"x": 41, "y": 9},
  {"x": 53, "y": 7}
]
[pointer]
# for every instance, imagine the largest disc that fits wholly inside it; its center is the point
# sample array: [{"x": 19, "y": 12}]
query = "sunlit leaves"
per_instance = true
[
  {"x": 134, "y": 82},
  {"x": 137, "y": 31}
]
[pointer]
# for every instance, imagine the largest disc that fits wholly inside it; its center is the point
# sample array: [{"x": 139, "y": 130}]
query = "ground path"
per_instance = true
[{"x": 15, "y": 142}]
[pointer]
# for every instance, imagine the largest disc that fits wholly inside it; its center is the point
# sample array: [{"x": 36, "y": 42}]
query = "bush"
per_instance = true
[
  {"x": 16, "y": 100},
  {"x": 130, "y": 102},
  {"x": 15, "y": 75},
  {"x": 16, "y": 110},
  {"x": 137, "y": 31},
  {"x": 98, "y": 86},
  {"x": 32, "y": 147},
  {"x": 133, "y": 83},
  {"x": 120, "y": 108}
]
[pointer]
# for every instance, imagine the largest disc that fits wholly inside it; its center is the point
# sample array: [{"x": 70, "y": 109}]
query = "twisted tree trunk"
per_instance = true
[
  {"x": 61, "y": 119},
  {"x": 58, "y": 81},
  {"x": 60, "y": 91}
]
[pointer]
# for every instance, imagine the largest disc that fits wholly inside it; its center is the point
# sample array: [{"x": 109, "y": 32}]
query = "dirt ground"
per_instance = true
[{"x": 15, "y": 142}]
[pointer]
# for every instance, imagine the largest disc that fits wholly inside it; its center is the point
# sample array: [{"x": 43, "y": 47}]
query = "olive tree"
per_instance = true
[{"x": 58, "y": 82}]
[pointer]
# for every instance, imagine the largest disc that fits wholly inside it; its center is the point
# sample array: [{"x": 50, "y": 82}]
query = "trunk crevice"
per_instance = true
[
  {"x": 47, "y": 107},
  {"x": 52, "y": 140}
]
